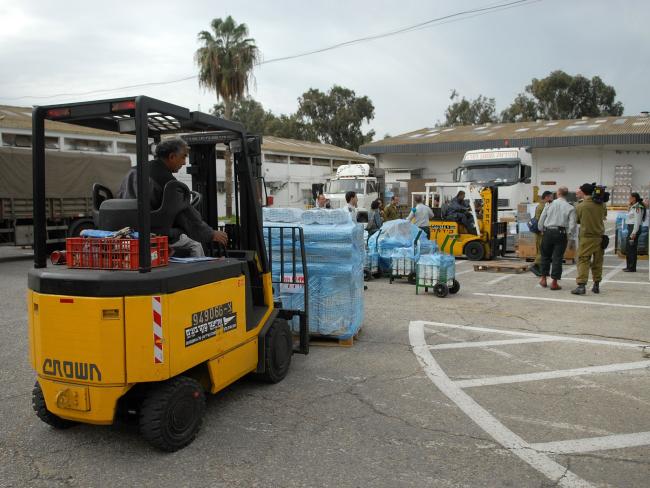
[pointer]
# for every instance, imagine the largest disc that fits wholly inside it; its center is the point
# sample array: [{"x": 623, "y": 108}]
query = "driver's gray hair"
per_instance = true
[{"x": 169, "y": 147}]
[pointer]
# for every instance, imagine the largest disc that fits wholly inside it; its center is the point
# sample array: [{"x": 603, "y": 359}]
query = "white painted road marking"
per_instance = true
[
  {"x": 562, "y": 300},
  {"x": 532, "y": 334},
  {"x": 605, "y": 443},
  {"x": 547, "y": 375},
  {"x": 465, "y": 272},
  {"x": 462, "y": 345},
  {"x": 613, "y": 272},
  {"x": 500, "y": 278},
  {"x": 508, "y": 439},
  {"x": 629, "y": 282}
]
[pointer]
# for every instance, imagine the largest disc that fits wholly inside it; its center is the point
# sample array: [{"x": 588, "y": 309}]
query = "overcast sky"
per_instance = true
[{"x": 48, "y": 48}]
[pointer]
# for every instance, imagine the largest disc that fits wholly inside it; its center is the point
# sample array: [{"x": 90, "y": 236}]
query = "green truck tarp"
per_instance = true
[{"x": 67, "y": 174}]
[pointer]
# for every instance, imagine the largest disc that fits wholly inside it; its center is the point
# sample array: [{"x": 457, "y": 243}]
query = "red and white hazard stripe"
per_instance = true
[{"x": 156, "y": 307}]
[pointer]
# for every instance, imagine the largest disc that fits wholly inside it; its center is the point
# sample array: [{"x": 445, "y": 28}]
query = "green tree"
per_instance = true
[
  {"x": 249, "y": 112},
  {"x": 563, "y": 96},
  {"x": 225, "y": 60},
  {"x": 469, "y": 112},
  {"x": 336, "y": 117},
  {"x": 522, "y": 109}
]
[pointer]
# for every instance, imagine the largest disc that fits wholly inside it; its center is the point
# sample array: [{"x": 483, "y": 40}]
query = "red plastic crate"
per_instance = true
[{"x": 110, "y": 253}]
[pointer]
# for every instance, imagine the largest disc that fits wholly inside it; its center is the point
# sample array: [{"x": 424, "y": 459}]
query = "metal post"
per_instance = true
[
  {"x": 144, "y": 205},
  {"x": 38, "y": 182}
]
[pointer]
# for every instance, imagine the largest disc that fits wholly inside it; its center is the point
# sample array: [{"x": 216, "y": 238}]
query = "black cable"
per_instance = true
[{"x": 465, "y": 14}]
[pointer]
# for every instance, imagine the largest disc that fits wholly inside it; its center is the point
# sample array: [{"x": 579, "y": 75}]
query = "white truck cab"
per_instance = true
[
  {"x": 365, "y": 180},
  {"x": 508, "y": 168}
]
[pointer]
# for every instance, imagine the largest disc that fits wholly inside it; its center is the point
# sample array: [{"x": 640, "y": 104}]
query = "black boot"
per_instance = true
[
  {"x": 580, "y": 290},
  {"x": 596, "y": 287}
]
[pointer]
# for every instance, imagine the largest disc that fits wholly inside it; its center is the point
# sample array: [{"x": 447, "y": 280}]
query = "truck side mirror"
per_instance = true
[{"x": 457, "y": 174}]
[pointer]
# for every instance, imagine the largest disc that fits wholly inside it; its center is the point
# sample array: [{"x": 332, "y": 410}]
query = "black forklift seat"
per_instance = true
[{"x": 117, "y": 213}]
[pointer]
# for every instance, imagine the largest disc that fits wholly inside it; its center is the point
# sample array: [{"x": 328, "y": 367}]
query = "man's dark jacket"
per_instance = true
[{"x": 188, "y": 221}]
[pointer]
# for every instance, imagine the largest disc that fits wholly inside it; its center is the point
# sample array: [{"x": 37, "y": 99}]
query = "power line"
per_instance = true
[{"x": 455, "y": 17}]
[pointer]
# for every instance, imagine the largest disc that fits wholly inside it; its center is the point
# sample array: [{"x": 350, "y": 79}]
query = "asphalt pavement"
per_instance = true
[{"x": 505, "y": 384}]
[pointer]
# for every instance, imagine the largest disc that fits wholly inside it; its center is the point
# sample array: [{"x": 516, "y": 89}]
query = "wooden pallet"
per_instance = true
[
  {"x": 502, "y": 266},
  {"x": 332, "y": 341}
]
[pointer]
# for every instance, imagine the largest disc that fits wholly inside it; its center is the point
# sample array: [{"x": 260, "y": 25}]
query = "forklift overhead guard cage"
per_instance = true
[{"x": 145, "y": 118}]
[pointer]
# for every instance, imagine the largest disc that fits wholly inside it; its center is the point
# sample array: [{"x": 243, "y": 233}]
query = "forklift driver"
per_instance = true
[
  {"x": 458, "y": 210},
  {"x": 189, "y": 229}
]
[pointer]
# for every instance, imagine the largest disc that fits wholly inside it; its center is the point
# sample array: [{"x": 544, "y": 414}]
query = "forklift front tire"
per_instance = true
[
  {"x": 278, "y": 348},
  {"x": 172, "y": 412},
  {"x": 38, "y": 403},
  {"x": 474, "y": 250}
]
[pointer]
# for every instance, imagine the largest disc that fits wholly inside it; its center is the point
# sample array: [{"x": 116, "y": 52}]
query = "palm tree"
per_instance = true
[{"x": 226, "y": 60}]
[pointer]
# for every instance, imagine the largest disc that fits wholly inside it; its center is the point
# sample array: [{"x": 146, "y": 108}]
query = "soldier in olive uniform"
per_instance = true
[
  {"x": 547, "y": 197},
  {"x": 591, "y": 216}
]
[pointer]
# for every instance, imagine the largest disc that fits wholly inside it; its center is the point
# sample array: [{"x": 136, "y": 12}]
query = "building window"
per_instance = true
[
  {"x": 321, "y": 162},
  {"x": 221, "y": 154},
  {"x": 307, "y": 197},
  {"x": 299, "y": 160},
  {"x": 338, "y": 162},
  {"x": 274, "y": 158},
  {"x": 88, "y": 145},
  {"x": 126, "y": 148},
  {"x": 24, "y": 140}
]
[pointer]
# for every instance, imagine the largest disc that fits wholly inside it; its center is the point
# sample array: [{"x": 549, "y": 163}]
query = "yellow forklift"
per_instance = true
[
  {"x": 489, "y": 237},
  {"x": 151, "y": 342}
]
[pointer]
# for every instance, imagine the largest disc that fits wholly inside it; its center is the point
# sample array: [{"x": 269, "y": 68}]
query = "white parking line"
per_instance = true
[
  {"x": 507, "y": 438},
  {"x": 505, "y": 342},
  {"x": 465, "y": 271},
  {"x": 500, "y": 279},
  {"x": 605, "y": 443},
  {"x": 562, "y": 300},
  {"x": 613, "y": 272},
  {"x": 547, "y": 375},
  {"x": 629, "y": 282}
]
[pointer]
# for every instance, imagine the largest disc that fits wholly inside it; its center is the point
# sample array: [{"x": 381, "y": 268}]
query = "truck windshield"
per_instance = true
[
  {"x": 342, "y": 186},
  {"x": 501, "y": 174}
]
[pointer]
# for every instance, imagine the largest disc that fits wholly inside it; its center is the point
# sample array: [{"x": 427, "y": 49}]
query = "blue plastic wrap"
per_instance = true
[
  {"x": 335, "y": 258},
  {"x": 289, "y": 215},
  {"x": 324, "y": 216},
  {"x": 436, "y": 268}
]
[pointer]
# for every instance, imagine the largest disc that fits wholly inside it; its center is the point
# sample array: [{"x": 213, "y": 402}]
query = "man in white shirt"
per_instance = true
[
  {"x": 421, "y": 214},
  {"x": 351, "y": 199},
  {"x": 558, "y": 225}
]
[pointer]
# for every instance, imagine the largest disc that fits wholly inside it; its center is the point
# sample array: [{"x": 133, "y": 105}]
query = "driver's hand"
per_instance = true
[{"x": 220, "y": 237}]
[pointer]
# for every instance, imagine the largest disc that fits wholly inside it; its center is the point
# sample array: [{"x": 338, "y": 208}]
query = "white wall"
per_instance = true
[
  {"x": 289, "y": 179},
  {"x": 565, "y": 166}
]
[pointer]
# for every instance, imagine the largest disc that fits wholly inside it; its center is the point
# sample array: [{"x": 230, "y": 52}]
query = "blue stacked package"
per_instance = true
[{"x": 335, "y": 257}]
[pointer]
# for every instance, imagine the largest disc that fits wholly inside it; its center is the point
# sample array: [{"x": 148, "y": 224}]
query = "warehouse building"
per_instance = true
[
  {"x": 614, "y": 151},
  {"x": 290, "y": 167}
]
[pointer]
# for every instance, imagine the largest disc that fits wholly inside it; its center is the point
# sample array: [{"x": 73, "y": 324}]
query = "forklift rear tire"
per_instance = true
[
  {"x": 38, "y": 403},
  {"x": 454, "y": 287},
  {"x": 474, "y": 251},
  {"x": 278, "y": 348},
  {"x": 440, "y": 290},
  {"x": 172, "y": 412}
]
